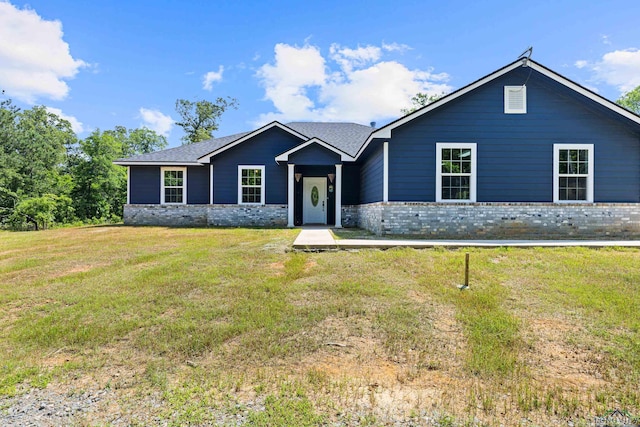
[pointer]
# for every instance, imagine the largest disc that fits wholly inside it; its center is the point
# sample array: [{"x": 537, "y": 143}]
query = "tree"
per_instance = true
[
  {"x": 39, "y": 147},
  {"x": 42, "y": 211},
  {"x": 421, "y": 100},
  {"x": 200, "y": 118},
  {"x": 42, "y": 164},
  {"x": 631, "y": 100},
  {"x": 33, "y": 156},
  {"x": 137, "y": 141},
  {"x": 99, "y": 186},
  {"x": 143, "y": 140},
  {"x": 8, "y": 157}
]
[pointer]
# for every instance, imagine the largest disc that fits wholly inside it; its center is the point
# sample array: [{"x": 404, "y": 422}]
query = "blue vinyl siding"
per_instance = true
[
  {"x": 314, "y": 154},
  {"x": 350, "y": 184},
  {"x": 260, "y": 150},
  {"x": 515, "y": 151},
  {"x": 371, "y": 175},
  {"x": 198, "y": 185},
  {"x": 144, "y": 185}
]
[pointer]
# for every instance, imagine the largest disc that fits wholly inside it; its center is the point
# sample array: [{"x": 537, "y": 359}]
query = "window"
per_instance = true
[
  {"x": 573, "y": 173},
  {"x": 174, "y": 185},
  {"x": 455, "y": 172},
  {"x": 515, "y": 99},
  {"x": 251, "y": 185}
]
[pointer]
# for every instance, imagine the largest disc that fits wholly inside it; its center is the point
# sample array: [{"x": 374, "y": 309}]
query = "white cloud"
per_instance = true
[
  {"x": 212, "y": 77},
  {"x": 351, "y": 84},
  {"x": 581, "y": 63},
  {"x": 354, "y": 58},
  {"x": 620, "y": 68},
  {"x": 605, "y": 39},
  {"x": 76, "y": 124},
  {"x": 156, "y": 121},
  {"x": 286, "y": 82},
  {"x": 34, "y": 59},
  {"x": 396, "y": 47}
]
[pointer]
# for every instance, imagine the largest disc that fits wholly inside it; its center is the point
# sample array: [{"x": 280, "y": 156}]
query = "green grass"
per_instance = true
[
  {"x": 285, "y": 411},
  {"x": 211, "y": 318}
]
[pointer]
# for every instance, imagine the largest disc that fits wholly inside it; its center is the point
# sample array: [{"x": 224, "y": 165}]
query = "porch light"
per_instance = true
[
  {"x": 331, "y": 177},
  {"x": 297, "y": 176}
]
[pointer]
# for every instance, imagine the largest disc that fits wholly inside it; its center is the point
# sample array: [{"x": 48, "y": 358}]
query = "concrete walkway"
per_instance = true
[{"x": 319, "y": 239}]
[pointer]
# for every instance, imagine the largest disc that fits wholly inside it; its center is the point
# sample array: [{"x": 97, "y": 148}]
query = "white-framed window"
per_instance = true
[
  {"x": 174, "y": 185},
  {"x": 573, "y": 173},
  {"x": 251, "y": 185},
  {"x": 515, "y": 99},
  {"x": 455, "y": 172}
]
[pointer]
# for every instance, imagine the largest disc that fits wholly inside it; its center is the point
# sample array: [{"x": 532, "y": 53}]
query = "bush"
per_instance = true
[{"x": 41, "y": 212}]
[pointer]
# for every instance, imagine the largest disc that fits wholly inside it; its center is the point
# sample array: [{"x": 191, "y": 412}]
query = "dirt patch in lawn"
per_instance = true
[{"x": 553, "y": 357}]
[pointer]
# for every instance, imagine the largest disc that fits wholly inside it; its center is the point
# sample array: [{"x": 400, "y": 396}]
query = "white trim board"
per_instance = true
[
  {"x": 128, "y": 185},
  {"x": 385, "y": 171},
  {"x": 167, "y": 164}
]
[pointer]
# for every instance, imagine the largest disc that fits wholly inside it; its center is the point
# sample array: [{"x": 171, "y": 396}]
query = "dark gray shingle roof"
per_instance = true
[
  {"x": 185, "y": 153},
  {"x": 347, "y": 137}
]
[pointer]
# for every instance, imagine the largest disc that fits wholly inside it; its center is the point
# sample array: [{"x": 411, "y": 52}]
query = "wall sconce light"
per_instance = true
[
  {"x": 297, "y": 176},
  {"x": 331, "y": 176}
]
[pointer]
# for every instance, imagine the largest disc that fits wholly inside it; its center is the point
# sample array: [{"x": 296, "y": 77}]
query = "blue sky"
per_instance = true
[{"x": 107, "y": 63}]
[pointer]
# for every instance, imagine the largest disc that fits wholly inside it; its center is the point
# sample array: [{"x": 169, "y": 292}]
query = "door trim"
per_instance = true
[{"x": 320, "y": 182}]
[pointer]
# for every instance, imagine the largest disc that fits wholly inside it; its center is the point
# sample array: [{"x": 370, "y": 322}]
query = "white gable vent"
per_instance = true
[{"x": 515, "y": 99}]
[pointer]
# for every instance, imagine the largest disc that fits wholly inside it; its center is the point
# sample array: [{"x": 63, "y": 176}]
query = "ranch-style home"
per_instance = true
[{"x": 520, "y": 153}]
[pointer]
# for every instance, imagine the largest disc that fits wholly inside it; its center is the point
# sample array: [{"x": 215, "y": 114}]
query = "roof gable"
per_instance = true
[
  {"x": 207, "y": 157},
  {"x": 284, "y": 157},
  {"x": 385, "y": 131}
]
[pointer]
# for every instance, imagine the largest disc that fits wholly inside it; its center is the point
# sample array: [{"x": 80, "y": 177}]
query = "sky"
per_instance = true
[{"x": 101, "y": 64}]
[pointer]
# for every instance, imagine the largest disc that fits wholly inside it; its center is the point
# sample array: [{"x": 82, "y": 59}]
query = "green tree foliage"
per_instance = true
[
  {"x": 8, "y": 158},
  {"x": 421, "y": 100},
  {"x": 49, "y": 177},
  {"x": 100, "y": 187},
  {"x": 143, "y": 140},
  {"x": 33, "y": 158},
  {"x": 200, "y": 118},
  {"x": 137, "y": 141},
  {"x": 631, "y": 100},
  {"x": 42, "y": 211},
  {"x": 34, "y": 148}
]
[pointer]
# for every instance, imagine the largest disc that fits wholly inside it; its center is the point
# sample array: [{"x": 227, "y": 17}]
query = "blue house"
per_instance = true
[{"x": 522, "y": 152}]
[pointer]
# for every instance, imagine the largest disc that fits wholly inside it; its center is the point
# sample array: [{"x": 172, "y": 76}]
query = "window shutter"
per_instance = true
[{"x": 515, "y": 99}]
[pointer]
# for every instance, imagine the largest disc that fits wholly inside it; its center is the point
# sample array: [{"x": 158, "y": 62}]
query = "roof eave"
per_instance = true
[{"x": 154, "y": 163}]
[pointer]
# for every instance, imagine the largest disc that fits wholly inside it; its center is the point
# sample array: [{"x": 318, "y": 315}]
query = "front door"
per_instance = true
[{"x": 314, "y": 205}]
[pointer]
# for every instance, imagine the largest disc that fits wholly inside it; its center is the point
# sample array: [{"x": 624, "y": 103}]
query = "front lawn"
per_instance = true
[{"x": 200, "y": 325}]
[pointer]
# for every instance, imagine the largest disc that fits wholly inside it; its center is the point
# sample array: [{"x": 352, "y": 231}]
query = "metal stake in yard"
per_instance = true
[{"x": 466, "y": 273}]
